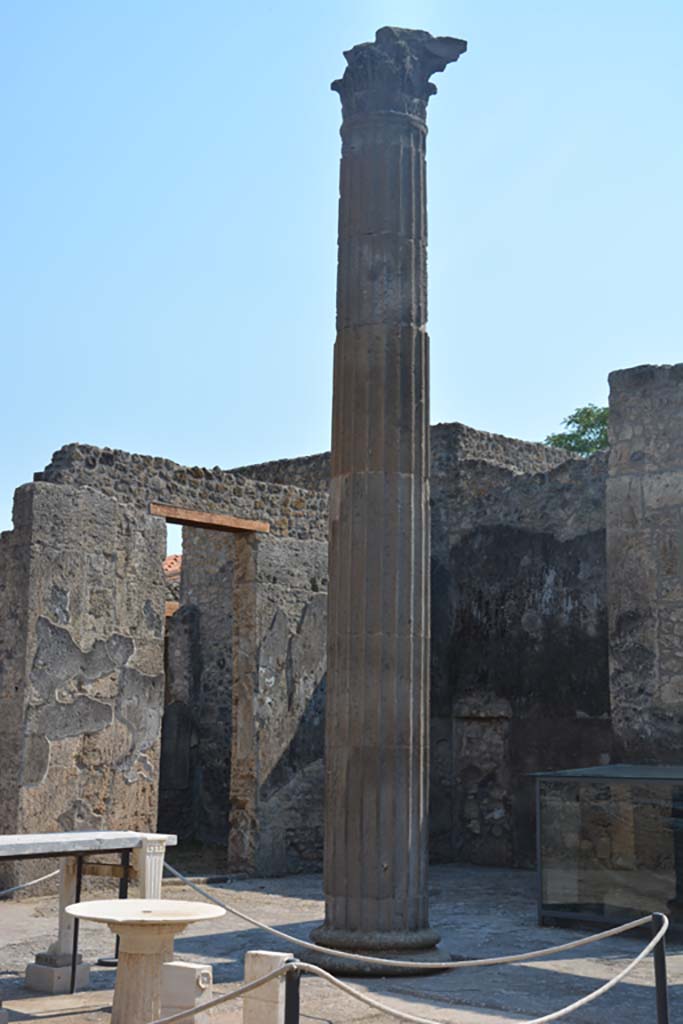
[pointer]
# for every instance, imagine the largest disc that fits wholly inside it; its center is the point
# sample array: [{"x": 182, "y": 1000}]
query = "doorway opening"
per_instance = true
[{"x": 196, "y": 738}]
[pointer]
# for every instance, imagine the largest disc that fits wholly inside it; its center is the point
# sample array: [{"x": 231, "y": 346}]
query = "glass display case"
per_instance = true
[{"x": 610, "y": 844}]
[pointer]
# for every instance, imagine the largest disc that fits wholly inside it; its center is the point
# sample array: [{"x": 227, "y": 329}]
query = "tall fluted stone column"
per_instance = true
[{"x": 377, "y": 712}]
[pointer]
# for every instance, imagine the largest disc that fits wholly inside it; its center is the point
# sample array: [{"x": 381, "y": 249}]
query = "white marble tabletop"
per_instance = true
[
  {"x": 145, "y": 912},
  {"x": 43, "y": 844}
]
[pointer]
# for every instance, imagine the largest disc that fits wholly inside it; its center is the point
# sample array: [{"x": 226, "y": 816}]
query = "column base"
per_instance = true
[
  {"x": 418, "y": 946},
  {"x": 55, "y": 979},
  {"x": 4, "y": 1017}
]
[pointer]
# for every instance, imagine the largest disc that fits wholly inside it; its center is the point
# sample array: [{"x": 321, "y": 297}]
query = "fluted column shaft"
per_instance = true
[{"x": 377, "y": 712}]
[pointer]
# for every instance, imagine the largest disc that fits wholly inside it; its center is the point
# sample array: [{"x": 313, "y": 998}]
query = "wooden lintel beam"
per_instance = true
[
  {"x": 109, "y": 871},
  {"x": 207, "y": 520}
]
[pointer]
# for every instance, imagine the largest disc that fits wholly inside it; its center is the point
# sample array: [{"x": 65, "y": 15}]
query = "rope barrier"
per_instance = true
[
  {"x": 410, "y": 1018},
  {"x": 27, "y": 885},
  {"x": 376, "y": 1004},
  {"x": 447, "y": 965},
  {"x": 556, "y": 1015}
]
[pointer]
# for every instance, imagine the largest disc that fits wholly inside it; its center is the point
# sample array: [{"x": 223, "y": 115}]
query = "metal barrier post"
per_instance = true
[
  {"x": 292, "y": 997},
  {"x": 661, "y": 988},
  {"x": 74, "y": 947}
]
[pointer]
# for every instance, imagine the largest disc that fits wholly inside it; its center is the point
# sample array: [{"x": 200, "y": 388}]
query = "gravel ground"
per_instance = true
[{"x": 479, "y": 912}]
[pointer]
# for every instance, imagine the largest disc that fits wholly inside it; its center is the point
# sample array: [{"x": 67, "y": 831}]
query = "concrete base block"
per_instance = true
[
  {"x": 56, "y": 980},
  {"x": 184, "y": 986},
  {"x": 265, "y": 1005},
  {"x": 4, "y": 1017}
]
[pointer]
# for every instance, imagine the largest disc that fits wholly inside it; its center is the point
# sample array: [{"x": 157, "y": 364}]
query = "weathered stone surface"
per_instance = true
[
  {"x": 206, "y": 588},
  {"x": 645, "y": 561},
  {"x": 518, "y": 609},
  {"x": 519, "y": 616},
  {"x": 451, "y": 444},
  {"x": 279, "y": 624},
  {"x": 377, "y": 714},
  {"x": 82, "y": 665},
  {"x": 139, "y": 479}
]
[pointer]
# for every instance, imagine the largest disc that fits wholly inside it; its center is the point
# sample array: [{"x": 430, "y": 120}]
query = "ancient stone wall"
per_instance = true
[
  {"x": 519, "y": 647},
  {"x": 82, "y": 639},
  {"x": 179, "y": 767},
  {"x": 451, "y": 444},
  {"x": 14, "y": 594},
  {"x": 279, "y": 630},
  {"x": 645, "y": 559},
  {"x": 519, "y": 656},
  {"x": 196, "y": 740},
  {"x": 308, "y": 471},
  {"x": 139, "y": 479}
]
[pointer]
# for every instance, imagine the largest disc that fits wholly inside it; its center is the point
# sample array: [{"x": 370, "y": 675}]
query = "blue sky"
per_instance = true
[{"x": 169, "y": 190}]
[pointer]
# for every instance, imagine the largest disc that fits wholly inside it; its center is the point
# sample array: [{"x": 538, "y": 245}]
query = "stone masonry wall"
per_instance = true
[
  {"x": 139, "y": 479},
  {"x": 519, "y": 653},
  {"x": 451, "y": 443},
  {"x": 519, "y": 647},
  {"x": 276, "y": 788},
  {"x": 519, "y": 642},
  {"x": 645, "y": 546},
  {"x": 197, "y": 721},
  {"x": 14, "y": 593},
  {"x": 85, "y": 662},
  {"x": 179, "y": 769}
]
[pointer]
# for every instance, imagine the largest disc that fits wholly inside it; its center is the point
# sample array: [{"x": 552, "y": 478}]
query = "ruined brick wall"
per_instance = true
[
  {"x": 85, "y": 664},
  {"x": 139, "y": 479}
]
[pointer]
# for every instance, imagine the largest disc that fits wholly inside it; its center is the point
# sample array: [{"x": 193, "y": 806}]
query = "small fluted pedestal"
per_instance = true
[
  {"x": 377, "y": 710},
  {"x": 146, "y": 929}
]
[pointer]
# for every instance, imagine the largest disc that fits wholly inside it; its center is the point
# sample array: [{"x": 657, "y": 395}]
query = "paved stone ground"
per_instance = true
[{"x": 479, "y": 912}]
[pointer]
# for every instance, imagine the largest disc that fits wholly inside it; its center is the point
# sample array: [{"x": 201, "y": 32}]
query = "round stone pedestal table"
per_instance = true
[{"x": 146, "y": 929}]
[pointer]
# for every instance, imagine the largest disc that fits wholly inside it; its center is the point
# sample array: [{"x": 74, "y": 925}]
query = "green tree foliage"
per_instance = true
[{"x": 586, "y": 431}]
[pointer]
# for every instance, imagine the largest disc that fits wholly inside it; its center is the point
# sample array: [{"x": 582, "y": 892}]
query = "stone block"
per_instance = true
[
  {"x": 184, "y": 986},
  {"x": 56, "y": 980},
  {"x": 266, "y": 1004}
]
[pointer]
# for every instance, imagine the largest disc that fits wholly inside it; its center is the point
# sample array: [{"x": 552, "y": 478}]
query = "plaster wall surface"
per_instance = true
[
  {"x": 276, "y": 788},
  {"x": 85, "y": 662}
]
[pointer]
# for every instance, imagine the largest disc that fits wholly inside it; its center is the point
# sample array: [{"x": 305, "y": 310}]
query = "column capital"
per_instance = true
[{"x": 392, "y": 74}]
